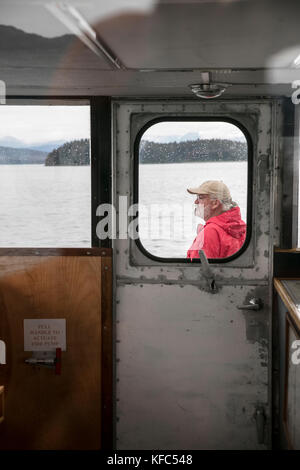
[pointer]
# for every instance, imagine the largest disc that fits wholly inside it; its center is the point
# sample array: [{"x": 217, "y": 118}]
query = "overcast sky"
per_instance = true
[
  {"x": 206, "y": 130},
  {"x": 37, "y": 124}
]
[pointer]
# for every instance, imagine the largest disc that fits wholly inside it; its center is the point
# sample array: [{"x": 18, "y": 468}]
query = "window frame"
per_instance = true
[
  {"x": 188, "y": 118},
  {"x": 98, "y": 132}
]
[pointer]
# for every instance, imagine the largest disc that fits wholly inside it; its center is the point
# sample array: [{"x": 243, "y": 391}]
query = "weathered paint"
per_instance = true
[{"x": 193, "y": 368}]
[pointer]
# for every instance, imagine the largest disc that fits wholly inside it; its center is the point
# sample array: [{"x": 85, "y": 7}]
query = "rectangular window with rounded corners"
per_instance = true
[
  {"x": 45, "y": 176},
  {"x": 193, "y": 189}
]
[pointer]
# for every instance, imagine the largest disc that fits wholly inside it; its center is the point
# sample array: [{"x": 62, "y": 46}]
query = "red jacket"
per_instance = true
[{"x": 221, "y": 236}]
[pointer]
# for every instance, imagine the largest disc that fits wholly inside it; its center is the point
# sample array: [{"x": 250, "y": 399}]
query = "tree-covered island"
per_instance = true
[
  {"x": 201, "y": 150},
  {"x": 75, "y": 153}
]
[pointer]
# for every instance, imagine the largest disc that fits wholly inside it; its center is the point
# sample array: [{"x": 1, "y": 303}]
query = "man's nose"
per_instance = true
[{"x": 196, "y": 201}]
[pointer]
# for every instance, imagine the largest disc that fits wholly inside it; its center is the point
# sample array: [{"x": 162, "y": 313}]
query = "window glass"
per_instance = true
[
  {"x": 176, "y": 155},
  {"x": 45, "y": 176}
]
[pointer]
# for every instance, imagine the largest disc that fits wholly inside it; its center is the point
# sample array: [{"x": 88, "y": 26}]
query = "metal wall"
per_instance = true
[{"x": 192, "y": 369}]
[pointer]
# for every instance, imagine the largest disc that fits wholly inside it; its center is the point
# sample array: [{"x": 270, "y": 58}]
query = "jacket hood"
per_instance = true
[{"x": 231, "y": 222}]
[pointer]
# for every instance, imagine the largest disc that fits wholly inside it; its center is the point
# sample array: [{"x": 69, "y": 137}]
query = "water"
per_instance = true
[
  {"x": 51, "y": 206},
  {"x": 45, "y": 206}
]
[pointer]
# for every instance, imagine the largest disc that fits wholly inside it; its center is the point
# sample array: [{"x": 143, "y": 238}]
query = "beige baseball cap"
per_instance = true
[{"x": 218, "y": 189}]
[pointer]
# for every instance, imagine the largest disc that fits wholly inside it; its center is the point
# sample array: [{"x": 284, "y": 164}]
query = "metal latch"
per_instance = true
[
  {"x": 260, "y": 418},
  {"x": 254, "y": 304},
  {"x": 46, "y": 359},
  {"x": 208, "y": 273}
]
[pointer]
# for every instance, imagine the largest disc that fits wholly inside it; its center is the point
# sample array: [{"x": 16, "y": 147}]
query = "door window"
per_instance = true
[{"x": 175, "y": 156}]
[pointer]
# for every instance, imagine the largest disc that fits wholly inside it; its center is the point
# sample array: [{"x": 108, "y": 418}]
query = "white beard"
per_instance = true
[{"x": 199, "y": 211}]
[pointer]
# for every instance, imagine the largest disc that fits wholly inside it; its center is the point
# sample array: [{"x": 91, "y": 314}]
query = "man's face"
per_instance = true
[{"x": 205, "y": 207}]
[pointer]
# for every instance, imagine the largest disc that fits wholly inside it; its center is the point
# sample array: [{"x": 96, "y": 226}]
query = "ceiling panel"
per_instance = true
[
  {"x": 252, "y": 43},
  {"x": 206, "y": 35}
]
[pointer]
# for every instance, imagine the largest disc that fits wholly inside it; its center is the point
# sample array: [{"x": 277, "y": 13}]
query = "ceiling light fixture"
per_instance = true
[
  {"x": 77, "y": 24},
  {"x": 207, "y": 89}
]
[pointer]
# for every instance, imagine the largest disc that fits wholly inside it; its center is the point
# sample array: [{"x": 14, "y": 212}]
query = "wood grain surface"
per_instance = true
[{"x": 44, "y": 410}]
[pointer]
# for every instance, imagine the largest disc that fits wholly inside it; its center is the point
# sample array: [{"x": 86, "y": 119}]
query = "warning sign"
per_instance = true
[{"x": 45, "y": 335}]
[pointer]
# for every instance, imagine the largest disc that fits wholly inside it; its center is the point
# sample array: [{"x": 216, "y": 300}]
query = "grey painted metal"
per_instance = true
[
  {"x": 192, "y": 369},
  {"x": 295, "y": 196},
  {"x": 290, "y": 172}
]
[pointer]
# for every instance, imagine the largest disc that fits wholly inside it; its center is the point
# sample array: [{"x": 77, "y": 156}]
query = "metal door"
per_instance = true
[{"x": 192, "y": 369}]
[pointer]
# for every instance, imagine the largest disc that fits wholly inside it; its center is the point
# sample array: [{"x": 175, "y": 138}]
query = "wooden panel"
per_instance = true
[
  {"x": 44, "y": 410},
  {"x": 107, "y": 360}
]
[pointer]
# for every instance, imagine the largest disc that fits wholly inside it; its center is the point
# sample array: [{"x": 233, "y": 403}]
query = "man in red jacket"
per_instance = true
[{"x": 224, "y": 231}]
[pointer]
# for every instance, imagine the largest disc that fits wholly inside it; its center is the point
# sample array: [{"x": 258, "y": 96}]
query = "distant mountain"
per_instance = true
[
  {"x": 9, "y": 141},
  {"x": 161, "y": 139},
  {"x": 189, "y": 136},
  {"x": 165, "y": 139},
  {"x": 49, "y": 146},
  {"x": 19, "y": 156}
]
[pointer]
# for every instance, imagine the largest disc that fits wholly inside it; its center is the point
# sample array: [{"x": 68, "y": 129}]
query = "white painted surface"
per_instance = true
[
  {"x": 2, "y": 352},
  {"x": 44, "y": 334}
]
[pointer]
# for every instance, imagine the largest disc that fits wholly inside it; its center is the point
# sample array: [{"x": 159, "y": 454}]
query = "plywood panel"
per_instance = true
[{"x": 44, "y": 410}]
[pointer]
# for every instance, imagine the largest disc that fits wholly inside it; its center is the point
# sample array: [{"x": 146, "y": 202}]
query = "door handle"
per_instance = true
[{"x": 254, "y": 304}]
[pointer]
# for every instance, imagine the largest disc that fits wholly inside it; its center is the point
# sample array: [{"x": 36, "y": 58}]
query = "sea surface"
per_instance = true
[
  {"x": 51, "y": 206},
  {"x": 44, "y": 206}
]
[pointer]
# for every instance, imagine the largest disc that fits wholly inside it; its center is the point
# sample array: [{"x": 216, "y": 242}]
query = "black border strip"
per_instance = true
[
  {"x": 101, "y": 167},
  {"x": 250, "y": 181},
  {"x": 289, "y": 219}
]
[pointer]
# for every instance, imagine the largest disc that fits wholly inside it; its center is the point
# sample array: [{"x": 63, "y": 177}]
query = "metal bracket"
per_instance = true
[
  {"x": 46, "y": 359},
  {"x": 260, "y": 418},
  {"x": 208, "y": 273}
]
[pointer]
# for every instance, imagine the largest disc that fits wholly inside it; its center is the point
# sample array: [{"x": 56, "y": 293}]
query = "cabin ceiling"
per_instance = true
[{"x": 163, "y": 46}]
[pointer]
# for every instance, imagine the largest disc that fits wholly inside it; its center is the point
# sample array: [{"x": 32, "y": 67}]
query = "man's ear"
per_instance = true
[{"x": 216, "y": 204}]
